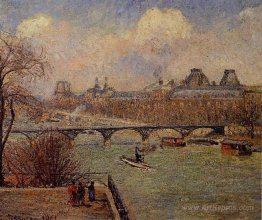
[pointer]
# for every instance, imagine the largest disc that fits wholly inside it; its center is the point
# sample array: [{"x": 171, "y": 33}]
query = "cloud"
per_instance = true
[
  {"x": 233, "y": 43},
  {"x": 34, "y": 26},
  {"x": 166, "y": 25},
  {"x": 250, "y": 13},
  {"x": 161, "y": 37}
]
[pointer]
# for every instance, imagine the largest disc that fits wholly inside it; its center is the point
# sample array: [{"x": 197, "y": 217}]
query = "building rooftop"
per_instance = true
[
  {"x": 196, "y": 78},
  {"x": 229, "y": 78}
]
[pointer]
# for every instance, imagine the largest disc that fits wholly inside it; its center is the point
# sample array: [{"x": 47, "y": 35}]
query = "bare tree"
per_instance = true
[
  {"x": 49, "y": 160},
  {"x": 18, "y": 60},
  {"x": 248, "y": 114}
]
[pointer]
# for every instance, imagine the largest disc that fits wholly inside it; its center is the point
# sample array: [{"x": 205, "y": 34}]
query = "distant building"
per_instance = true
[
  {"x": 99, "y": 92},
  {"x": 197, "y": 85},
  {"x": 160, "y": 89},
  {"x": 63, "y": 88},
  {"x": 160, "y": 85}
]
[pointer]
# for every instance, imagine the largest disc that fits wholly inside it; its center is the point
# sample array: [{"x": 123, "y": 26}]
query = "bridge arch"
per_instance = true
[
  {"x": 19, "y": 137},
  {"x": 126, "y": 136},
  {"x": 157, "y": 134},
  {"x": 200, "y": 132},
  {"x": 89, "y": 138},
  {"x": 205, "y": 131}
]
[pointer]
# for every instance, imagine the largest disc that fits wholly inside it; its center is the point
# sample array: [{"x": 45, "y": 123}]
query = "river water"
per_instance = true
[{"x": 195, "y": 182}]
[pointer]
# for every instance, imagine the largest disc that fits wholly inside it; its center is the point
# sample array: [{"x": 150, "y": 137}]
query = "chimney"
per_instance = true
[
  {"x": 106, "y": 83},
  {"x": 160, "y": 81},
  {"x": 68, "y": 87},
  {"x": 196, "y": 70},
  {"x": 97, "y": 86},
  {"x": 60, "y": 87},
  {"x": 229, "y": 72},
  {"x": 172, "y": 83}
]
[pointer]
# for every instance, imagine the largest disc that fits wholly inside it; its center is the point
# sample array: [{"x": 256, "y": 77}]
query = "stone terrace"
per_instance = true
[{"x": 35, "y": 203}]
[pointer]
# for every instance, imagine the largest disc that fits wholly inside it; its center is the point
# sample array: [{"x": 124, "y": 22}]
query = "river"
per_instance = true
[{"x": 195, "y": 182}]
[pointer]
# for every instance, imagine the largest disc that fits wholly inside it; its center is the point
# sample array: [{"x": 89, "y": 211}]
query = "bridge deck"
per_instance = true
[{"x": 120, "y": 128}]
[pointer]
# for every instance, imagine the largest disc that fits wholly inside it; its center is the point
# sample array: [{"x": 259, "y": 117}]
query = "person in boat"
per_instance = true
[
  {"x": 91, "y": 191},
  {"x": 139, "y": 156}
]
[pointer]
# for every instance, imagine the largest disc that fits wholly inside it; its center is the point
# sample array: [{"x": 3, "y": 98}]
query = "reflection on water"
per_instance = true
[{"x": 194, "y": 182}]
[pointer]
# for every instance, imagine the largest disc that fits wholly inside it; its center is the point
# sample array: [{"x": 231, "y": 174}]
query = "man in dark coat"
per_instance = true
[
  {"x": 80, "y": 194},
  {"x": 91, "y": 191}
]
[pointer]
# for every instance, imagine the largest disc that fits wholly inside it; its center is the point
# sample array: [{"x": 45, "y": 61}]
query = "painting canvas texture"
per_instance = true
[{"x": 130, "y": 109}]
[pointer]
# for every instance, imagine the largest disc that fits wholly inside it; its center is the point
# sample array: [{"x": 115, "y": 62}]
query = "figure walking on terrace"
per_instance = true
[
  {"x": 72, "y": 190},
  {"x": 80, "y": 194},
  {"x": 91, "y": 191}
]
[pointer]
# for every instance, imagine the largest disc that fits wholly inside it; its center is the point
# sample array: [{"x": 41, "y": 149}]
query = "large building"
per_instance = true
[
  {"x": 194, "y": 101},
  {"x": 197, "y": 85}
]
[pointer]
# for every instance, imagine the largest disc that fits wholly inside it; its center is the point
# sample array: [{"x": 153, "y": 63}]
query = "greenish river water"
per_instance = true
[{"x": 195, "y": 182}]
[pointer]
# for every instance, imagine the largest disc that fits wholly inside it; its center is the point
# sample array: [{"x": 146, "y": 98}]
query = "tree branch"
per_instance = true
[{"x": 12, "y": 112}]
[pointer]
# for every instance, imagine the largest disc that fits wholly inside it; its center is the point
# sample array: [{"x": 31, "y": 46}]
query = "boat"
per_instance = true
[
  {"x": 203, "y": 141},
  {"x": 54, "y": 120},
  {"x": 236, "y": 147},
  {"x": 256, "y": 149},
  {"x": 173, "y": 142},
  {"x": 133, "y": 163}
]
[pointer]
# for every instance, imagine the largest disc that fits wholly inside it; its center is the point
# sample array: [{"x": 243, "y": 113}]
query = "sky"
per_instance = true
[{"x": 127, "y": 40}]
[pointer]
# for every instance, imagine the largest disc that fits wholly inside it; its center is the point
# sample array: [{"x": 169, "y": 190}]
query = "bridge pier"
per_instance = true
[
  {"x": 107, "y": 134},
  {"x": 145, "y": 133},
  {"x": 107, "y": 142},
  {"x": 145, "y": 140}
]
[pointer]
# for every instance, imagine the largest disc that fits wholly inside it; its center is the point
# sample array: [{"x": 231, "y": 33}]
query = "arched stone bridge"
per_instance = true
[{"x": 107, "y": 132}]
